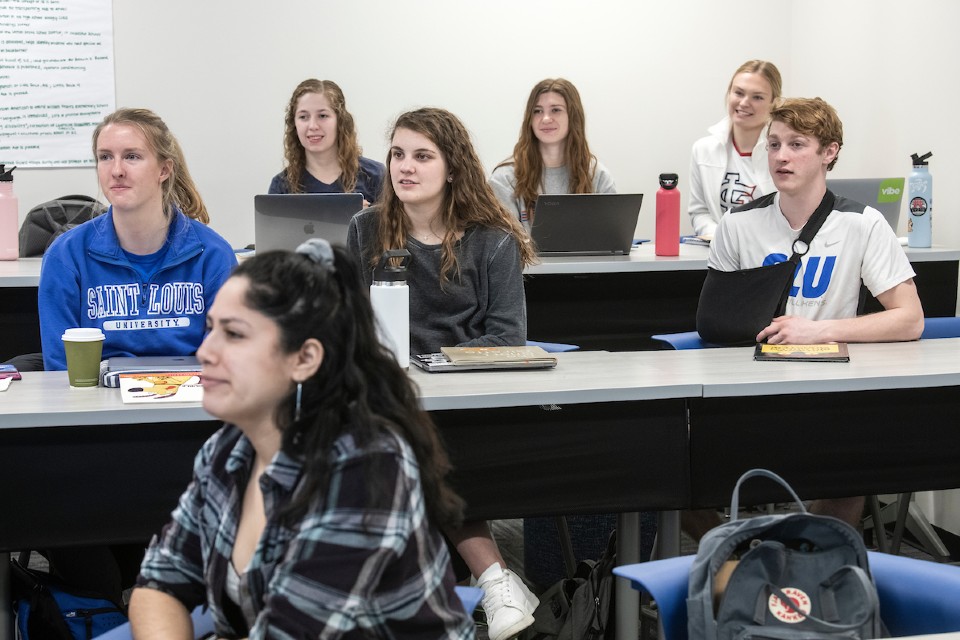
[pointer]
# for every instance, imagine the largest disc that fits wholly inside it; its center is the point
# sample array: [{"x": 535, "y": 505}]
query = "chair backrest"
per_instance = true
[
  {"x": 469, "y": 597},
  {"x": 666, "y": 582},
  {"x": 684, "y": 340},
  {"x": 553, "y": 347},
  {"x": 916, "y": 596},
  {"x": 940, "y": 328}
]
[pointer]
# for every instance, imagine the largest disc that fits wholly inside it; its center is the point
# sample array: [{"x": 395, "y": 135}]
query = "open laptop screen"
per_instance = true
[
  {"x": 284, "y": 221},
  {"x": 585, "y": 224},
  {"x": 883, "y": 194}
]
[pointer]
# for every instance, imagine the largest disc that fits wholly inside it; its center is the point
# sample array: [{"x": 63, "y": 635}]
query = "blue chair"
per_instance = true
[
  {"x": 666, "y": 582},
  {"x": 685, "y": 340},
  {"x": 553, "y": 347},
  {"x": 916, "y": 596},
  {"x": 469, "y": 597},
  {"x": 940, "y": 328}
]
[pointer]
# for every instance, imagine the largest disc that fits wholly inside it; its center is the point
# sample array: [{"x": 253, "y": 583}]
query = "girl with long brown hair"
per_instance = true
[
  {"x": 466, "y": 289},
  {"x": 321, "y": 148},
  {"x": 552, "y": 154}
]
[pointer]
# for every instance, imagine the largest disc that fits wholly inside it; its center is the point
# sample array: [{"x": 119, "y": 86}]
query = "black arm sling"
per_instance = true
[{"x": 737, "y": 305}]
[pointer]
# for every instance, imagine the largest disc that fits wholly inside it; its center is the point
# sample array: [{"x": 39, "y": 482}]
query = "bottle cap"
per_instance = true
[
  {"x": 392, "y": 267},
  {"x": 6, "y": 175},
  {"x": 669, "y": 180},
  {"x": 920, "y": 160}
]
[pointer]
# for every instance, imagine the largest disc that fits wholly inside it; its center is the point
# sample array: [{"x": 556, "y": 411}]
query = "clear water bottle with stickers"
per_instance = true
[{"x": 920, "y": 202}]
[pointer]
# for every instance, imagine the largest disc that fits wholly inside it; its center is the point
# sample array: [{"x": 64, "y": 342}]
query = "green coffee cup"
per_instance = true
[{"x": 83, "y": 348}]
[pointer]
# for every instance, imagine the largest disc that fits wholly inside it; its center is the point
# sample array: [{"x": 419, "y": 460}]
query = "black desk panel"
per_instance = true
[
  {"x": 825, "y": 445},
  {"x": 574, "y": 459},
  {"x": 612, "y": 311},
  {"x": 93, "y": 484}
]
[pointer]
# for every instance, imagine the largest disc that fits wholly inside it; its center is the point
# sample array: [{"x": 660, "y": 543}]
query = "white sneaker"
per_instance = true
[{"x": 508, "y": 602}]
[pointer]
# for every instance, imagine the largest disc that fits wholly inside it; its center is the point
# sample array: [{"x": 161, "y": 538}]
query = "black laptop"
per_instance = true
[
  {"x": 586, "y": 224},
  {"x": 284, "y": 221}
]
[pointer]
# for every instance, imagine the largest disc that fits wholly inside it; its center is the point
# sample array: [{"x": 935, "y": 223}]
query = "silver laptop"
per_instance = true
[
  {"x": 586, "y": 224},
  {"x": 284, "y": 221},
  {"x": 883, "y": 194},
  {"x": 111, "y": 368}
]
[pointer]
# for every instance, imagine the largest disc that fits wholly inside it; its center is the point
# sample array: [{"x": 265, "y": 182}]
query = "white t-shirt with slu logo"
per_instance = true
[{"x": 855, "y": 243}]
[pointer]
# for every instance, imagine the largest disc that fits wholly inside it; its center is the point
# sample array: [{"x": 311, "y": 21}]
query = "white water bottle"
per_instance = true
[
  {"x": 9, "y": 217},
  {"x": 920, "y": 202},
  {"x": 390, "y": 298}
]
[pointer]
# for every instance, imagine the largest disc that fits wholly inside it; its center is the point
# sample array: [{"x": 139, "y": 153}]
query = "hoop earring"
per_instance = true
[{"x": 296, "y": 411}]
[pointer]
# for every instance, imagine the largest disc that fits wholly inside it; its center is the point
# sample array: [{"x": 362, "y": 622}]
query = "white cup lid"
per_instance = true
[{"x": 83, "y": 335}]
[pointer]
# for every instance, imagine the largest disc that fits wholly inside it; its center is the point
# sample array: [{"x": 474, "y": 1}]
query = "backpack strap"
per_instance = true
[{"x": 763, "y": 473}]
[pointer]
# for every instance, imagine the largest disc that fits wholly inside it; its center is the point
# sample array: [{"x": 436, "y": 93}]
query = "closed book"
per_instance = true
[
  {"x": 453, "y": 359},
  {"x": 826, "y": 352},
  {"x": 161, "y": 387}
]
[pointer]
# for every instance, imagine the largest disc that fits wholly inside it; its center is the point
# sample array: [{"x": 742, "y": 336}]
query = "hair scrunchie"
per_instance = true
[{"x": 320, "y": 251}]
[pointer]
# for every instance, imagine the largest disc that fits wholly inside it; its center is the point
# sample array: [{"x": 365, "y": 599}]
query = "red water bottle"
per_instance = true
[{"x": 667, "y": 241}]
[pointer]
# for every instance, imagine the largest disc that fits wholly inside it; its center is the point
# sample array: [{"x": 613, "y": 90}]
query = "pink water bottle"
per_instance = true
[
  {"x": 9, "y": 222},
  {"x": 667, "y": 241}
]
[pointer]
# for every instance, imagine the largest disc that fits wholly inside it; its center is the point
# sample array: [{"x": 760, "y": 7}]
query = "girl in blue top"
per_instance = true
[
  {"x": 321, "y": 149},
  {"x": 146, "y": 271}
]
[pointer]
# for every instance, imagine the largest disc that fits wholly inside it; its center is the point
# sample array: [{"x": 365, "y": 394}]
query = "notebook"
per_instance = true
[
  {"x": 587, "y": 224},
  {"x": 284, "y": 221},
  {"x": 883, "y": 194}
]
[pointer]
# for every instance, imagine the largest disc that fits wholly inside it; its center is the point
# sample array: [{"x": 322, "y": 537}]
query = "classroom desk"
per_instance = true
[
  {"x": 618, "y": 302},
  {"x": 886, "y": 422},
  {"x": 101, "y": 471},
  {"x": 610, "y": 302}
]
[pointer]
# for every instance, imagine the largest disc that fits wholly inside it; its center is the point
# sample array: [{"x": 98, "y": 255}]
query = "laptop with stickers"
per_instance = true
[{"x": 883, "y": 194}]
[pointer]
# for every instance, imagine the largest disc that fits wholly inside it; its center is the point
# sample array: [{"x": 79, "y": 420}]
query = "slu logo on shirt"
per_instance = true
[
  {"x": 813, "y": 275},
  {"x": 123, "y": 300}
]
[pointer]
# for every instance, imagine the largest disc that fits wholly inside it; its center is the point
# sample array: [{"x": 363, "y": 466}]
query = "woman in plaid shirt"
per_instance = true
[{"x": 314, "y": 512}]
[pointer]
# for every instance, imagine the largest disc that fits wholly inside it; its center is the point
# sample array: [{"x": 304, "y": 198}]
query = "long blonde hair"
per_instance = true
[
  {"x": 179, "y": 189},
  {"x": 348, "y": 147},
  {"x": 467, "y": 200},
  {"x": 528, "y": 162}
]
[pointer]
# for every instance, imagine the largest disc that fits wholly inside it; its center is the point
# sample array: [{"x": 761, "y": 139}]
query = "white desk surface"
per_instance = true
[
  {"x": 26, "y": 271},
  {"x": 20, "y": 273},
  {"x": 899, "y": 365},
  {"x": 45, "y": 399}
]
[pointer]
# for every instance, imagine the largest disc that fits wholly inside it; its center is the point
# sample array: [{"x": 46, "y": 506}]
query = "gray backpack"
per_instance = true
[{"x": 784, "y": 577}]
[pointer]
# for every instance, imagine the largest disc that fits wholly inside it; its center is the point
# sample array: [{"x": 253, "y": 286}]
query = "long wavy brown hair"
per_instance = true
[
  {"x": 179, "y": 189},
  {"x": 527, "y": 160},
  {"x": 467, "y": 200},
  {"x": 348, "y": 147}
]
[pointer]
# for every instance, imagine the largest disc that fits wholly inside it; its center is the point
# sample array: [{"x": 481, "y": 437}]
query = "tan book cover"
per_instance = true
[
  {"x": 472, "y": 355},
  {"x": 827, "y": 352}
]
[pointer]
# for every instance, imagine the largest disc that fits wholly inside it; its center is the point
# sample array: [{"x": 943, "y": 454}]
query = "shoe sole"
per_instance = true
[{"x": 514, "y": 629}]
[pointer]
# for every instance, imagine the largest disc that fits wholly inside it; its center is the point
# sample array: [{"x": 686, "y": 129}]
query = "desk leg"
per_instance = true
[
  {"x": 627, "y": 599},
  {"x": 668, "y": 534},
  {"x": 6, "y": 614}
]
